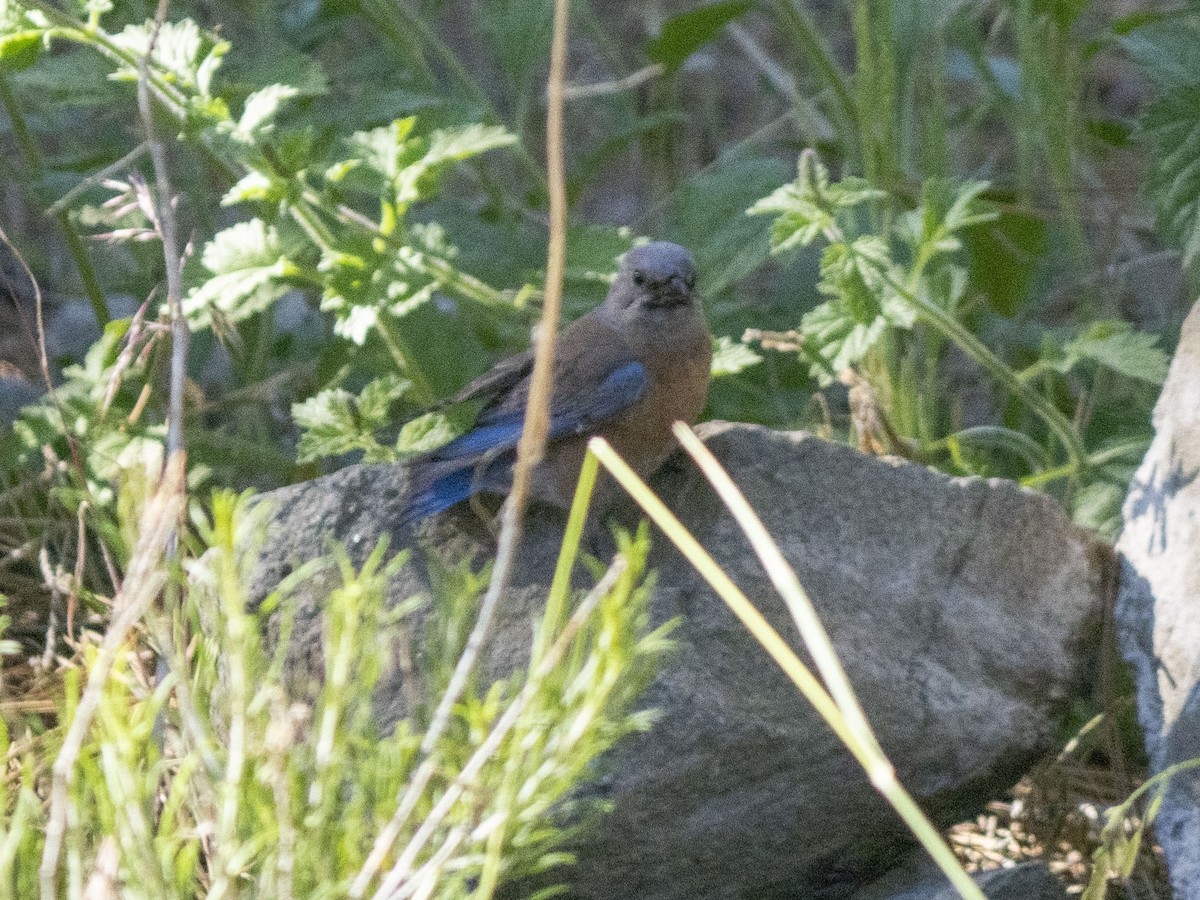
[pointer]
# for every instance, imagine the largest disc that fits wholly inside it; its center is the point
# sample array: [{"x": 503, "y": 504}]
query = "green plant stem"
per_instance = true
[
  {"x": 1050, "y": 119},
  {"x": 560, "y": 586},
  {"x": 556, "y": 603},
  {"x": 933, "y": 111},
  {"x": 966, "y": 341},
  {"x": 402, "y": 353},
  {"x": 875, "y": 83},
  {"x": 796, "y": 16},
  {"x": 1095, "y": 460},
  {"x": 33, "y": 159},
  {"x": 71, "y": 30},
  {"x": 1159, "y": 780}
]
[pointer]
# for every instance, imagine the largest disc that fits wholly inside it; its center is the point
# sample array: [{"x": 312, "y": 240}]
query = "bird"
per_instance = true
[{"x": 626, "y": 371}]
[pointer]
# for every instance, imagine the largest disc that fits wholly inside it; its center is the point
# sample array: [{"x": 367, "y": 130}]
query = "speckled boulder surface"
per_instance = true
[
  {"x": 964, "y": 611},
  {"x": 1158, "y": 608}
]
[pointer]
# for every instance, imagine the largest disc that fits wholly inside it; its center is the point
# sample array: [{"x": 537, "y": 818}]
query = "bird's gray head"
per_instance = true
[{"x": 655, "y": 283}]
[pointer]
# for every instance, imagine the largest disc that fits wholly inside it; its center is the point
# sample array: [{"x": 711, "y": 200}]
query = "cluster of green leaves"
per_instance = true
[
  {"x": 60, "y": 466},
  {"x": 1168, "y": 48},
  {"x": 899, "y": 289},
  {"x": 869, "y": 292},
  {"x": 244, "y": 785}
]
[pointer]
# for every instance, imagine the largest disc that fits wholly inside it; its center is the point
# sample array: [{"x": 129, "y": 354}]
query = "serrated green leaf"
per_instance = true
[
  {"x": 1168, "y": 49},
  {"x": 252, "y": 187},
  {"x": 357, "y": 291},
  {"x": 864, "y": 305},
  {"x": 1172, "y": 125},
  {"x": 260, "y": 109},
  {"x": 798, "y": 220},
  {"x": 684, "y": 34},
  {"x": 404, "y": 167},
  {"x": 837, "y": 338},
  {"x": 1116, "y": 346},
  {"x": 459, "y": 144},
  {"x": 182, "y": 51},
  {"x": 376, "y": 399},
  {"x": 328, "y": 426},
  {"x": 335, "y": 421},
  {"x": 247, "y": 265},
  {"x": 425, "y": 433},
  {"x": 246, "y": 244},
  {"x": 808, "y": 207},
  {"x": 731, "y": 357}
]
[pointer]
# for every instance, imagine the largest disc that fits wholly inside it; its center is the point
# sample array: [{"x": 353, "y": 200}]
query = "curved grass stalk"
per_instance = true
[{"x": 843, "y": 715}]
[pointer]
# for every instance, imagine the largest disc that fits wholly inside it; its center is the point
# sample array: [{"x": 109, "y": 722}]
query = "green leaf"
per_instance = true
[
  {"x": 22, "y": 49},
  {"x": 425, "y": 433},
  {"x": 260, "y": 109},
  {"x": 1097, "y": 507},
  {"x": 407, "y": 165},
  {"x": 1003, "y": 257},
  {"x": 1116, "y": 346},
  {"x": 684, "y": 34},
  {"x": 254, "y": 187},
  {"x": 358, "y": 290},
  {"x": 837, "y": 338},
  {"x": 731, "y": 357},
  {"x": 1172, "y": 125},
  {"x": 1168, "y": 49},
  {"x": 841, "y": 331},
  {"x": 808, "y": 207},
  {"x": 1063, "y": 12},
  {"x": 182, "y": 51},
  {"x": 335, "y": 421},
  {"x": 376, "y": 399},
  {"x": 247, "y": 265},
  {"x": 456, "y": 145}
]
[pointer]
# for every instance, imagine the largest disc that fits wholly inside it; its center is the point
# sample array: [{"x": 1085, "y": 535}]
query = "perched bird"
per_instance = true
[{"x": 627, "y": 370}]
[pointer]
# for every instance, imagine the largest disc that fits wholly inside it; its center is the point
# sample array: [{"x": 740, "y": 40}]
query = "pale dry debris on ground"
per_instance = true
[{"x": 1055, "y": 815}]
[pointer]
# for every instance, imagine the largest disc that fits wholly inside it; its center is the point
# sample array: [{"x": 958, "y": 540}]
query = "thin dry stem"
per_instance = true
[
  {"x": 144, "y": 581},
  {"x": 532, "y": 446},
  {"x": 167, "y": 229}
]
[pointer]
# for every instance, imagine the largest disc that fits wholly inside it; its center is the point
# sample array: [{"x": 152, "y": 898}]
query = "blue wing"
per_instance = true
[{"x": 453, "y": 473}]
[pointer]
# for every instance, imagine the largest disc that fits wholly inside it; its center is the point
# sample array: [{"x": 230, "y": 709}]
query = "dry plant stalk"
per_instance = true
[
  {"x": 529, "y": 451},
  {"x": 835, "y": 701},
  {"x": 144, "y": 581}
]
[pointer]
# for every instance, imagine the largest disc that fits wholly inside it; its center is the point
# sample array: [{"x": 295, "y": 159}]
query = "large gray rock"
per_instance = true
[
  {"x": 1158, "y": 608},
  {"x": 963, "y": 609}
]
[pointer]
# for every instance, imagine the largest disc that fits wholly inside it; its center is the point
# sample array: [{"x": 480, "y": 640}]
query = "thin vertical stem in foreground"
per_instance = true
[
  {"x": 530, "y": 450},
  {"x": 532, "y": 446},
  {"x": 168, "y": 233}
]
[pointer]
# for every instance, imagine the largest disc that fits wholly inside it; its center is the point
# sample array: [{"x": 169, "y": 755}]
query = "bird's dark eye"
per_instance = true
[{"x": 639, "y": 279}]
